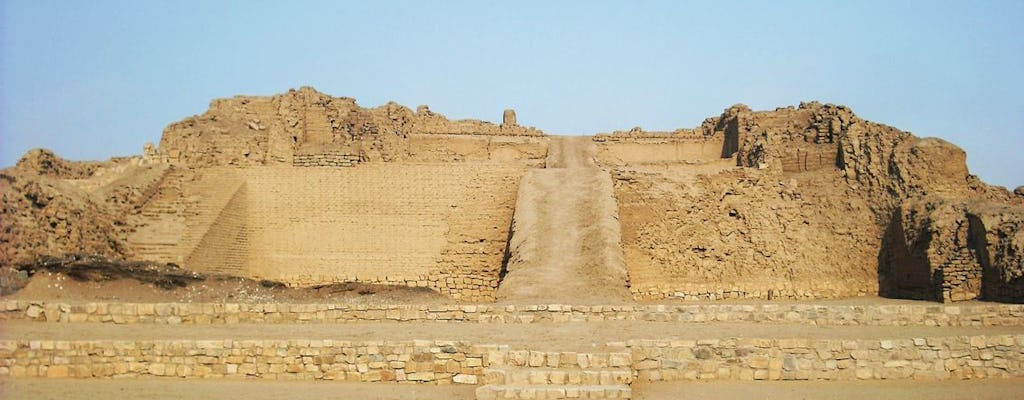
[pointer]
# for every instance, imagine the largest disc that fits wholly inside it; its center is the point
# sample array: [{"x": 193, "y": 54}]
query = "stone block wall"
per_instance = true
[
  {"x": 446, "y": 362},
  {"x": 957, "y": 357},
  {"x": 961, "y": 279},
  {"x": 978, "y": 315},
  {"x": 423, "y": 361},
  {"x": 754, "y": 290}
]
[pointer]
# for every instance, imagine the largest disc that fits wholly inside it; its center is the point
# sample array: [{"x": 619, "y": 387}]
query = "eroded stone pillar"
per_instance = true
[{"x": 508, "y": 119}]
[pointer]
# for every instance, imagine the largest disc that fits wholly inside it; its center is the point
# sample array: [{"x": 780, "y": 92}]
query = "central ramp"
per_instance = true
[{"x": 564, "y": 246}]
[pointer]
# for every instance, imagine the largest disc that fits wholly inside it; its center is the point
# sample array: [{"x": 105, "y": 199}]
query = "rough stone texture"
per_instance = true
[
  {"x": 418, "y": 361},
  {"x": 250, "y": 130},
  {"x": 997, "y": 238},
  {"x": 886, "y": 211},
  {"x": 442, "y": 362},
  {"x": 976, "y": 315},
  {"x": 959, "y": 357},
  {"x": 44, "y": 162},
  {"x": 51, "y": 206},
  {"x": 719, "y": 232},
  {"x": 508, "y": 119}
]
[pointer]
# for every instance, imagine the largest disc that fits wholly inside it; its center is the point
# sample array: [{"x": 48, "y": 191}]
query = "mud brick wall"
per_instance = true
[
  {"x": 224, "y": 246},
  {"x": 529, "y": 150},
  {"x": 808, "y": 157},
  {"x": 326, "y": 159},
  {"x": 219, "y": 313},
  {"x": 612, "y": 150},
  {"x": 421, "y": 361},
  {"x": 440, "y": 226}
]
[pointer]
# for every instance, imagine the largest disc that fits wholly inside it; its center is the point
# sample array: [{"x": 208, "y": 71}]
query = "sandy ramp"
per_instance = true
[{"x": 565, "y": 240}]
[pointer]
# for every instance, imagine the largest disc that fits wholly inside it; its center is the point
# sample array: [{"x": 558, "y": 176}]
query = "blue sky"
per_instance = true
[{"x": 94, "y": 79}]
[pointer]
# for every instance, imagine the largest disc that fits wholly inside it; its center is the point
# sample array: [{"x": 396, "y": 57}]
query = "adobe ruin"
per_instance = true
[{"x": 306, "y": 189}]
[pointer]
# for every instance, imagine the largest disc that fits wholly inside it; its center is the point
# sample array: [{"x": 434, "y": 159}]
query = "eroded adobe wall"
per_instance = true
[
  {"x": 997, "y": 237},
  {"x": 51, "y": 206},
  {"x": 919, "y": 190},
  {"x": 833, "y": 205},
  {"x": 223, "y": 246},
  {"x": 308, "y": 128},
  {"x": 743, "y": 233},
  {"x": 654, "y": 151},
  {"x": 492, "y": 148}
]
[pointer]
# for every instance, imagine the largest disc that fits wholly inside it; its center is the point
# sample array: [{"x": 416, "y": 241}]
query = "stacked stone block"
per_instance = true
[
  {"x": 440, "y": 362},
  {"x": 980, "y": 315}
]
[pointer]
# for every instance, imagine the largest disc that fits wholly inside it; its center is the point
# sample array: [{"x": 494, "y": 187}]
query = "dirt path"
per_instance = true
[{"x": 565, "y": 242}]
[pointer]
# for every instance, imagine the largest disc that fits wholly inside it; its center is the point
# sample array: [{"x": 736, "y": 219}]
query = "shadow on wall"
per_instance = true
[
  {"x": 995, "y": 285},
  {"x": 903, "y": 270}
]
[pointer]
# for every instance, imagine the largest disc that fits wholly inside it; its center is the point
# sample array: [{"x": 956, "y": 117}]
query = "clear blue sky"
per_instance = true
[{"x": 93, "y": 79}]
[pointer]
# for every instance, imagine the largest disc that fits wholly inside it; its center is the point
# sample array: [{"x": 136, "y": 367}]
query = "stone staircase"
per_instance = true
[
  {"x": 162, "y": 221},
  {"x": 178, "y": 216},
  {"x": 558, "y": 375}
]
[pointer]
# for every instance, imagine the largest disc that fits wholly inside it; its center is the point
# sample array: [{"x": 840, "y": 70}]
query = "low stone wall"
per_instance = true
[
  {"x": 401, "y": 361},
  {"x": 444, "y": 362},
  {"x": 826, "y": 290},
  {"x": 925, "y": 314},
  {"x": 958, "y": 357}
]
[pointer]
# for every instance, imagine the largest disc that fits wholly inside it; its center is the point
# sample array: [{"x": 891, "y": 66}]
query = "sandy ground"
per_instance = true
[
  {"x": 170, "y": 388},
  {"x": 566, "y": 243},
  {"x": 903, "y": 389},
  {"x": 158, "y": 389},
  {"x": 58, "y": 287},
  {"x": 538, "y": 336},
  {"x": 46, "y": 286}
]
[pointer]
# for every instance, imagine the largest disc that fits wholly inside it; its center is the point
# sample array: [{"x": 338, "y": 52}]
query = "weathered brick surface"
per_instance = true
[{"x": 440, "y": 226}]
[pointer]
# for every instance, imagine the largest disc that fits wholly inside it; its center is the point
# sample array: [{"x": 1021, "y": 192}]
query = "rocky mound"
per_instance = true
[
  {"x": 52, "y": 206},
  {"x": 255, "y": 130},
  {"x": 42, "y": 162},
  {"x": 943, "y": 227}
]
